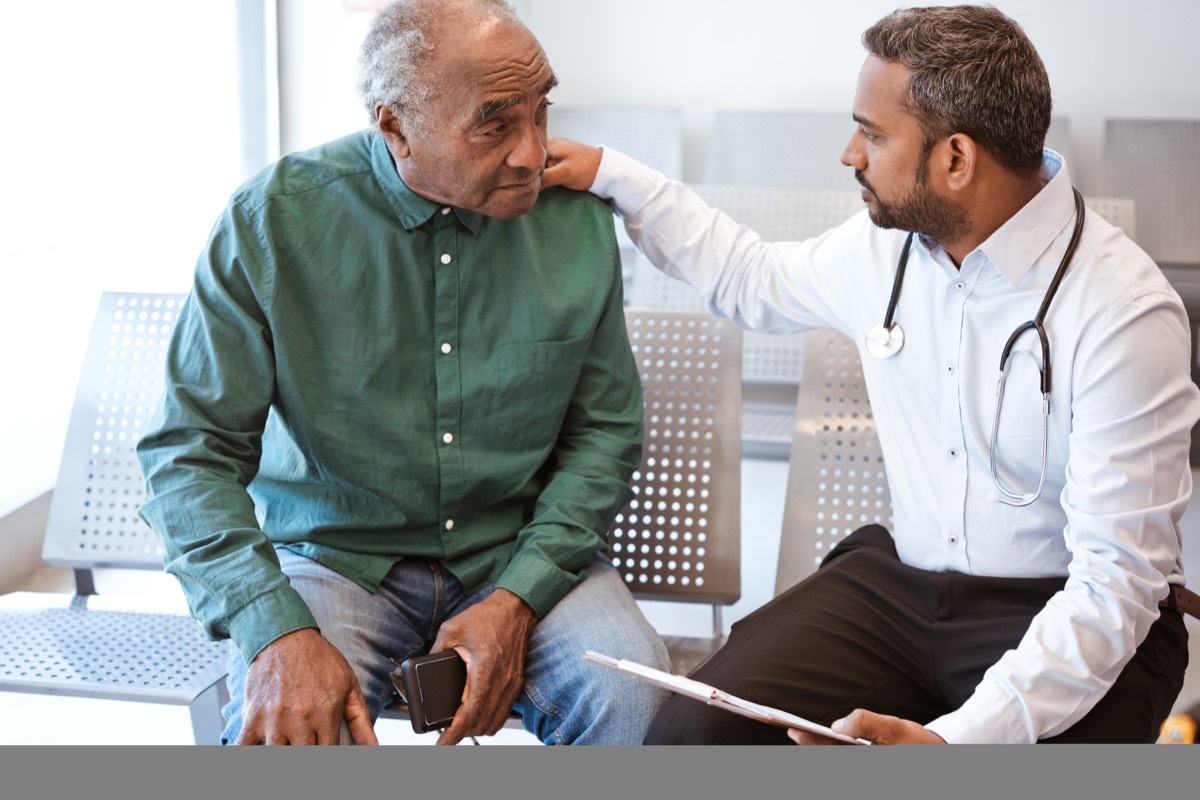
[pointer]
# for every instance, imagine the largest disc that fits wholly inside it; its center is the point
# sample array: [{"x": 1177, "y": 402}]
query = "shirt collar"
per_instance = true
[
  {"x": 411, "y": 209},
  {"x": 1018, "y": 244}
]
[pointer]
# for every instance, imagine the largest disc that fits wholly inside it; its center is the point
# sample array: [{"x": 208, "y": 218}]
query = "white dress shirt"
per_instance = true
[{"x": 1122, "y": 407}]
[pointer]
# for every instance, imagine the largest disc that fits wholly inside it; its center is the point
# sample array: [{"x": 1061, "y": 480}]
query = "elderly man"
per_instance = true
[
  {"x": 401, "y": 411},
  {"x": 1030, "y": 588}
]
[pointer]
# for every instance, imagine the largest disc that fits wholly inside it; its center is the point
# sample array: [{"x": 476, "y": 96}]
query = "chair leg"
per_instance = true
[{"x": 207, "y": 722}]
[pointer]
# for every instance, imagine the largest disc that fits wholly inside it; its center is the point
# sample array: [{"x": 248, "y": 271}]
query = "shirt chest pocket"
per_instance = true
[{"x": 536, "y": 383}]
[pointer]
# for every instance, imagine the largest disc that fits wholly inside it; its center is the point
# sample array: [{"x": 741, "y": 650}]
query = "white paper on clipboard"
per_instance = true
[{"x": 715, "y": 697}]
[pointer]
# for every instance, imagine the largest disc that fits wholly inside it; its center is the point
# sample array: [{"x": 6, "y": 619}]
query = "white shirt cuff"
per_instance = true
[
  {"x": 628, "y": 183},
  {"x": 991, "y": 716}
]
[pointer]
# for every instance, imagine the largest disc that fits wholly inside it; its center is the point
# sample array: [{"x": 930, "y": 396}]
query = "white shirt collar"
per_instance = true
[
  {"x": 1020, "y": 242},
  {"x": 1024, "y": 239}
]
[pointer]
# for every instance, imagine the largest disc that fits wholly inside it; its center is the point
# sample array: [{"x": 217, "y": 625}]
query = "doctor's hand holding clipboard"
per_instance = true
[{"x": 870, "y": 728}]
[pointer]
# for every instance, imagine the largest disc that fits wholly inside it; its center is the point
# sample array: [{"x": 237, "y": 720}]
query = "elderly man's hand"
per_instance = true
[
  {"x": 492, "y": 637},
  {"x": 570, "y": 164},
  {"x": 875, "y": 728},
  {"x": 298, "y": 690}
]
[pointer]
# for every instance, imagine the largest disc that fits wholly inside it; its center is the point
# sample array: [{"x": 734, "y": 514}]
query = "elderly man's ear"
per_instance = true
[{"x": 393, "y": 133}]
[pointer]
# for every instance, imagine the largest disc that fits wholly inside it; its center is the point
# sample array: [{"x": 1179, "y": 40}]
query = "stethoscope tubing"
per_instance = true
[{"x": 886, "y": 340}]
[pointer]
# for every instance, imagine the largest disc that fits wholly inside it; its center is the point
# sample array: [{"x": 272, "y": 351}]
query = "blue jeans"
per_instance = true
[{"x": 565, "y": 700}]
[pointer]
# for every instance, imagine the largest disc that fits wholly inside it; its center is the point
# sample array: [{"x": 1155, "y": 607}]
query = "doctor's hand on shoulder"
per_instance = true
[
  {"x": 570, "y": 164},
  {"x": 875, "y": 728}
]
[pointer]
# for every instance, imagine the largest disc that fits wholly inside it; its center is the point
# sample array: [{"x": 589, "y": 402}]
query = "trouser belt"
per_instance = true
[{"x": 1183, "y": 600}]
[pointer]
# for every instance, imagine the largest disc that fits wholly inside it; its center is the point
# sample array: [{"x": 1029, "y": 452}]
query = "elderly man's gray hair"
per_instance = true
[{"x": 399, "y": 43}]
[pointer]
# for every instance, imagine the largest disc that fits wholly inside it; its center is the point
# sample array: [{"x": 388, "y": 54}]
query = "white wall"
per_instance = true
[
  {"x": 1106, "y": 58},
  {"x": 120, "y": 140}
]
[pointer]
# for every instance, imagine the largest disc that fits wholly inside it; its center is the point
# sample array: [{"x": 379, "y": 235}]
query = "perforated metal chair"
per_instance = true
[
  {"x": 780, "y": 148},
  {"x": 771, "y": 364},
  {"x": 836, "y": 476},
  {"x": 118, "y": 647},
  {"x": 679, "y": 539},
  {"x": 1156, "y": 162}
]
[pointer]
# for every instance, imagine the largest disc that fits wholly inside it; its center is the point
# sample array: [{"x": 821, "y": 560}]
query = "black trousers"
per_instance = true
[{"x": 867, "y": 631}]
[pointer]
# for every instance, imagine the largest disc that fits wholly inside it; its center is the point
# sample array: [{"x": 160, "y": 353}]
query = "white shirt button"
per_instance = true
[
  {"x": 446, "y": 210},
  {"x": 449, "y": 524},
  {"x": 445, "y": 258},
  {"x": 949, "y": 369},
  {"x": 960, "y": 286},
  {"x": 446, "y": 348},
  {"x": 953, "y": 539},
  {"x": 952, "y": 453},
  {"x": 447, "y": 437}
]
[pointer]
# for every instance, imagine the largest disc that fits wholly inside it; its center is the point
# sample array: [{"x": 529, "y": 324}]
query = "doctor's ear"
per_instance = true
[
  {"x": 961, "y": 157},
  {"x": 393, "y": 132}
]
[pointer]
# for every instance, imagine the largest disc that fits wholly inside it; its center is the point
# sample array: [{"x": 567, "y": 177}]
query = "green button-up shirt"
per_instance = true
[{"x": 360, "y": 375}]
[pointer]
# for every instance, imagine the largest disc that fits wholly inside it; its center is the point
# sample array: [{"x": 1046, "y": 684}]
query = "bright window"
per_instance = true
[{"x": 120, "y": 137}]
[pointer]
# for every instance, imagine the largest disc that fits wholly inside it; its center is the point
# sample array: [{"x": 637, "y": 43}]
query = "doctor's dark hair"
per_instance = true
[
  {"x": 400, "y": 42},
  {"x": 971, "y": 70}
]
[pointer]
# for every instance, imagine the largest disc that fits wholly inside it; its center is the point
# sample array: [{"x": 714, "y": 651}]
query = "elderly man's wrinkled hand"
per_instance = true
[
  {"x": 492, "y": 637},
  {"x": 298, "y": 691}
]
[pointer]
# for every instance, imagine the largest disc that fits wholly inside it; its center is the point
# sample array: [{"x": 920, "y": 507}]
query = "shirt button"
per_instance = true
[
  {"x": 953, "y": 539},
  {"x": 960, "y": 286},
  {"x": 449, "y": 524},
  {"x": 445, "y": 258},
  {"x": 949, "y": 369},
  {"x": 952, "y": 453},
  {"x": 445, "y": 210},
  {"x": 446, "y": 348},
  {"x": 447, "y": 437}
]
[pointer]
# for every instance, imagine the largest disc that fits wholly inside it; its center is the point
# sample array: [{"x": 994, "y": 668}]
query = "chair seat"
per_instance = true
[
  {"x": 104, "y": 647},
  {"x": 689, "y": 652},
  {"x": 767, "y": 430}
]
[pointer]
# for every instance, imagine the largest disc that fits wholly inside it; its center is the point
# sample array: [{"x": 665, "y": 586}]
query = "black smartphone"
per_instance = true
[{"x": 433, "y": 687}]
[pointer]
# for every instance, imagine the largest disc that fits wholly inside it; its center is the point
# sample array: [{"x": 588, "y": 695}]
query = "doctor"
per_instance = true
[{"x": 1012, "y": 602}]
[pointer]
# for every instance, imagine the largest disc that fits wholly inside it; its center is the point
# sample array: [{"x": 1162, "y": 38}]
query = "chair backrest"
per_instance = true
[
  {"x": 836, "y": 477},
  {"x": 1156, "y": 162},
  {"x": 1059, "y": 139},
  {"x": 679, "y": 537},
  {"x": 651, "y": 134},
  {"x": 93, "y": 519},
  {"x": 778, "y": 214},
  {"x": 1121, "y": 212},
  {"x": 780, "y": 148}
]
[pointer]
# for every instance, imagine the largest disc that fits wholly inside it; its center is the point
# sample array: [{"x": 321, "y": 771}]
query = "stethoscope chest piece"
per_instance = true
[{"x": 884, "y": 342}]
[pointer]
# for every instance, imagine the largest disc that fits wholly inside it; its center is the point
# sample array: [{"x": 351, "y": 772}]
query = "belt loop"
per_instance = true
[{"x": 1171, "y": 602}]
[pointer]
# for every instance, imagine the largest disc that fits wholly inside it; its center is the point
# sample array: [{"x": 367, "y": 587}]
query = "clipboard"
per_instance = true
[{"x": 715, "y": 697}]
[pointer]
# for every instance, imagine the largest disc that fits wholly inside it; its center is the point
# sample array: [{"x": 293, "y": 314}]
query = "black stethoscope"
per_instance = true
[{"x": 886, "y": 339}]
